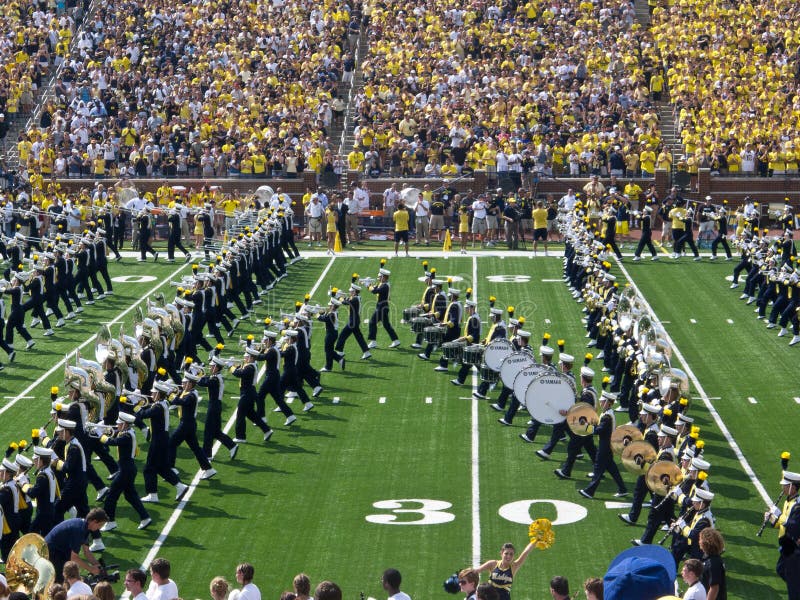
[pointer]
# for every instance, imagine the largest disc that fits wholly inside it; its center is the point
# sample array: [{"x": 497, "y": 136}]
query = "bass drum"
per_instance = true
[
  {"x": 512, "y": 365},
  {"x": 526, "y": 376},
  {"x": 496, "y": 352},
  {"x": 548, "y": 394}
]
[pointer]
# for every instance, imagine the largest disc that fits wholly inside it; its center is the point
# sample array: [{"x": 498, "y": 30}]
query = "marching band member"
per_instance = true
[
  {"x": 648, "y": 425},
  {"x": 22, "y": 481},
  {"x": 16, "y": 317},
  {"x": 687, "y": 532},
  {"x": 291, "y": 377},
  {"x": 451, "y": 319},
  {"x": 331, "y": 320},
  {"x": 662, "y": 509},
  {"x": 9, "y": 507},
  {"x": 497, "y": 330},
  {"x": 74, "y": 467},
  {"x": 124, "y": 439},
  {"x": 523, "y": 345},
  {"x": 186, "y": 431},
  {"x": 271, "y": 384},
  {"x": 305, "y": 371},
  {"x": 604, "y": 458},
  {"x": 215, "y": 384},
  {"x": 546, "y": 357},
  {"x": 246, "y": 409},
  {"x": 157, "y": 462},
  {"x": 426, "y": 303},
  {"x": 576, "y": 442},
  {"x": 44, "y": 491},
  {"x": 381, "y": 290},
  {"x": 565, "y": 362},
  {"x": 471, "y": 333},
  {"x": 353, "y": 325},
  {"x": 787, "y": 521},
  {"x": 514, "y": 326},
  {"x": 647, "y": 236}
]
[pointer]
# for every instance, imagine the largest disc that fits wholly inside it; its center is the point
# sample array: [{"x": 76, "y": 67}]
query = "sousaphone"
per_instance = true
[
  {"x": 28, "y": 568},
  {"x": 638, "y": 456}
]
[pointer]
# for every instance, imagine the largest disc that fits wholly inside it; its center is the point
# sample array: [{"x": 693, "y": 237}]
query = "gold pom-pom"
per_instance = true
[
  {"x": 267, "y": 321},
  {"x": 123, "y": 399},
  {"x": 54, "y": 390},
  {"x": 541, "y": 534},
  {"x": 35, "y": 434},
  {"x": 667, "y": 412},
  {"x": 13, "y": 445},
  {"x": 220, "y": 347},
  {"x": 606, "y": 379},
  {"x": 23, "y": 444},
  {"x": 307, "y": 297},
  {"x": 188, "y": 360},
  {"x": 702, "y": 475},
  {"x": 162, "y": 371},
  {"x": 546, "y": 336},
  {"x": 250, "y": 337},
  {"x": 383, "y": 261},
  {"x": 700, "y": 444},
  {"x": 684, "y": 401},
  {"x": 786, "y": 455},
  {"x": 521, "y": 320}
]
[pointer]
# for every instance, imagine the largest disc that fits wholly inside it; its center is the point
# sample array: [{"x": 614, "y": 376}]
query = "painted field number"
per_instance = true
[
  {"x": 508, "y": 278},
  {"x": 426, "y": 512},
  {"x": 421, "y": 511}
]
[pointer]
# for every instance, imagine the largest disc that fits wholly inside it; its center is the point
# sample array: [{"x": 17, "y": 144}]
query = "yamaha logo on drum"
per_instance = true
[{"x": 553, "y": 381}]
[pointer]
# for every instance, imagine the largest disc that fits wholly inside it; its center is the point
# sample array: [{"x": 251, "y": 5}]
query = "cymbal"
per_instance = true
[
  {"x": 582, "y": 418},
  {"x": 638, "y": 456},
  {"x": 624, "y": 435},
  {"x": 663, "y": 476}
]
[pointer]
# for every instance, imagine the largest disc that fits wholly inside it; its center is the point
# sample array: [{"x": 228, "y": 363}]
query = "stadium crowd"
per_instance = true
[
  {"x": 207, "y": 90},
  {"x": 732, "y": 72},
  {"x": 511, "y": 88}
]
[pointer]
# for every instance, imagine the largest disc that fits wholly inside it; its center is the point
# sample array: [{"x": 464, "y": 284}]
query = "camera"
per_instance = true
[{"x": 106, "y": 574}]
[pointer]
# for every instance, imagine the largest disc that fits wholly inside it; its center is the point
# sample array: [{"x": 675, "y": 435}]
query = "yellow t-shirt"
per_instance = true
[
  {"x": 400, "y": 218},
  {"x": 539, "y": 218}
]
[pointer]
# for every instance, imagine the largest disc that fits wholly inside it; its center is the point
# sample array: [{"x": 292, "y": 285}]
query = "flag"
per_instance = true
[{"x": 448, "y": 242}]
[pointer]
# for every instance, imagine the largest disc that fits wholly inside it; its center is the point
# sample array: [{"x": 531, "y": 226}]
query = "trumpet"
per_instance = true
[
  {"x": 366, "y": 281},
  {"x": 98, "y": 430},
  {"x": 231, "y": 362}
]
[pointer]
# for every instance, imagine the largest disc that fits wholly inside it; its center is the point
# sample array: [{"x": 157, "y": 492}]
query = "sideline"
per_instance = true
[
  {"x": 176, "y": 513},
  {"x": 705, "y": 398},
  {"x": 476, "y": 482},
  {"x": 60, "y": 364}
]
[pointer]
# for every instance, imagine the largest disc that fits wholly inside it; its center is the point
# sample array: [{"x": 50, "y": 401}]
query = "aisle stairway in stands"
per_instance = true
[
  {"x": 24, "y": 121},
  {"x": 666, "y": 115},
  {"x": 348, "y": 138}
]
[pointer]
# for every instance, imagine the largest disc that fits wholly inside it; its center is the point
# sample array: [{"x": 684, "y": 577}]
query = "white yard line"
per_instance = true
[
  {"x": 476, "y": 483},
  {"x": 706, "y": 400},
  {"x": 60, "y": 364},
  {"x": 173, "y": 519}
]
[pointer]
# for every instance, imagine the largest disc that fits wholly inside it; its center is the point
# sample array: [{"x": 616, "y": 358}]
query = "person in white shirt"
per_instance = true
[
  {"x": 162, "y": 587},
  {"x": 567, "y": 202},
  {"x": 134, "y": 583},
  {"x": 314, "y": 212},
  {"x": 691, "y": 573},
  {"x": 72, "y": 577},
  {"x": 390, "y": 198},
  {"x": 244, "y": 575},
  {"x": 391, "y": 583},
  {"x": 422, "y": 212},
  {"x": 479, "y": 227}
]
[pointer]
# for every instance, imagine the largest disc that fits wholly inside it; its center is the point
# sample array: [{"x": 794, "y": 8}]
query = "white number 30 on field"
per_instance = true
[
  {"x": 428, "y": 512},
  {"x": 434, "y": 512}
]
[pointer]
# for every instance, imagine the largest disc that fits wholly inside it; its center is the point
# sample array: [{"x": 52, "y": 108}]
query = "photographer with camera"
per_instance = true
[{"x": 69, "y": 538}]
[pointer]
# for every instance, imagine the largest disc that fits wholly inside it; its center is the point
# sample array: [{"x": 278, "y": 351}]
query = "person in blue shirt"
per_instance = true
[{"x": 67, "y": 539}]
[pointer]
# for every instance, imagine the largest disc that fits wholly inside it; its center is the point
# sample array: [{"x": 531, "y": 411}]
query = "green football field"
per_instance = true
[{"x": 397, "y": 467}]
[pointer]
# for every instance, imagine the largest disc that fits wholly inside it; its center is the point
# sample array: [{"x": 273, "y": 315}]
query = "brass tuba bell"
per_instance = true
[{"x": 28, "y": 567}]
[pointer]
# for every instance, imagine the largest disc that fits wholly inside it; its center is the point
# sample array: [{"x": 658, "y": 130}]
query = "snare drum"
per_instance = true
[
  {"x": 418, "y": 324},
  {"x": 411, "y": 312},
  {"x": 433, "y": 334},
  {"x": 473, "y": 355},
  {"x": 489, "y": 375},
  {"x": 454, "y": 350}
]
